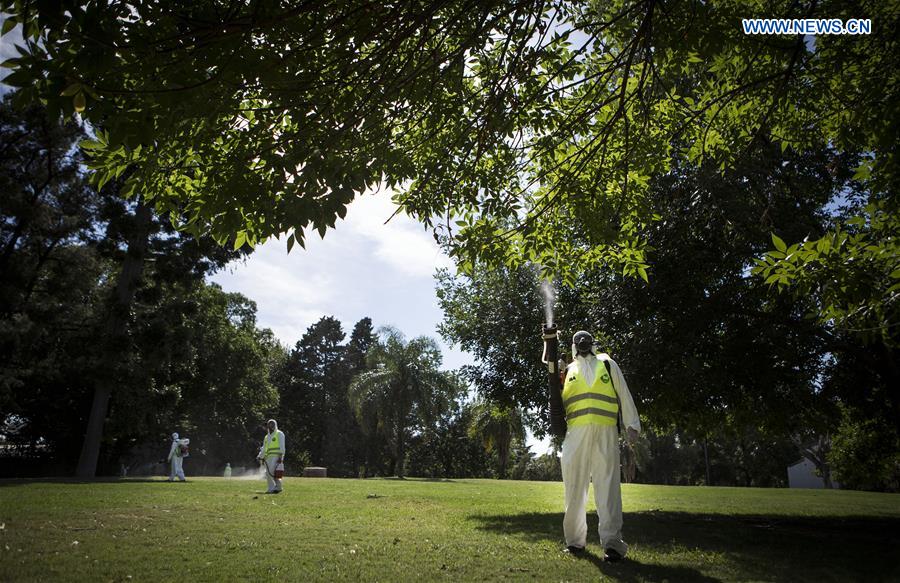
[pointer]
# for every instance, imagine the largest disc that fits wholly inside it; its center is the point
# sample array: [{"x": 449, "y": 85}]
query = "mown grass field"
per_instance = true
[{"x": 212, "y": 529}]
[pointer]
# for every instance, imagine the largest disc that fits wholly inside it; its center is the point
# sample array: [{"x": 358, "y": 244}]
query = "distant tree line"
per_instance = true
[
  {"x": 102, "y": 296},
  {"x": 104, "y": 306}
]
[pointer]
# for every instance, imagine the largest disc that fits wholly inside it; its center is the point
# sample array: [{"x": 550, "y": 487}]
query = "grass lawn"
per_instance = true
[{"x": 212, "y": 529}]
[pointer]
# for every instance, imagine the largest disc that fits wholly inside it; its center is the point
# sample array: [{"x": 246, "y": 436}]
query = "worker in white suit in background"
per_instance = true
[
  {"x": 176, "y": 458},
  {"x": 594, "y": 396},
  {"x": 272, "y": 454}
]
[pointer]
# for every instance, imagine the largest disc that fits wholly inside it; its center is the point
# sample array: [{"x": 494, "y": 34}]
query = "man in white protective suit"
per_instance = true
[
  {"x": 176, "y": 459},
  {"x": 272, "y": 454},
  {"x": 594, "y": 397}
]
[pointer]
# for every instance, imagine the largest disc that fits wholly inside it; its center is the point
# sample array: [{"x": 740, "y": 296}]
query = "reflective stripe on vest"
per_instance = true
[
  {"x": 597, "y": 404},
  {"x": 273, "y": 447}
]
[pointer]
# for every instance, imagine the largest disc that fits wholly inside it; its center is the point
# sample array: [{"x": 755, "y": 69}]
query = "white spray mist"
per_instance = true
[
  {"x": 251, "y": 474},
  {"x": 549, "y": 300}
]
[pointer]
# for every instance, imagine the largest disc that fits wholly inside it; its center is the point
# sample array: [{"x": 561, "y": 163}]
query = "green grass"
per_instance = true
[{"x": 324, "y": 529}]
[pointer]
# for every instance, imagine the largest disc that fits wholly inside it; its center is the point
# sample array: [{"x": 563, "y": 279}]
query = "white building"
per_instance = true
[{"x": 803, "y": 475}]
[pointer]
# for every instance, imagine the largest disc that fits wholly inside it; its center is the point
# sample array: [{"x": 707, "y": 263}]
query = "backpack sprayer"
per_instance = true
[
  {"x": 184, "y": 449},
  {"x": 550, "y": 357}
]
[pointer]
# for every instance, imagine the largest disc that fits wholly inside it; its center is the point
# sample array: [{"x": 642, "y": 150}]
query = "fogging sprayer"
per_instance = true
[{"x": 554, "y": 366}]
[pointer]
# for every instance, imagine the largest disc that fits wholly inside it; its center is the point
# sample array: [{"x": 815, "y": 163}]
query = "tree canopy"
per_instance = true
[
  {"x": 518, "y": 131},
  {"x": 706, "y": 345}
]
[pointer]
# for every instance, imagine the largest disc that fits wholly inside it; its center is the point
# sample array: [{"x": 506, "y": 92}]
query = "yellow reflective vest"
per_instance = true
[
  {"x": 597, "y": 404},
  {"x": 272, "y": 445}
]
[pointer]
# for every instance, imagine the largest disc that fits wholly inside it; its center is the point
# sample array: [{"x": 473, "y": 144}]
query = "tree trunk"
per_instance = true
[
  {"x": 826, "y": 477},
  {"x": 115, "y": 332},
  {"x": 822, "y": 460},
  {"x": 11, "y": 245},
  {"x": 401, "y": 452},
  {"x": 891, "y": 374},
  {"x": 706, "y": 459},
  {"x": 504, "y": 460}
]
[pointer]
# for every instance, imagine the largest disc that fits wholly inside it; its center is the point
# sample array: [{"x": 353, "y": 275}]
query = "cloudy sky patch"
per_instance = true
[{"x": 361, "y": 268}]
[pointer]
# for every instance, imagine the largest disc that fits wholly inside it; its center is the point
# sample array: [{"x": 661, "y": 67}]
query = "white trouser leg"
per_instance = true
[
  {"x": 606, "y": 475},
  {"x": 177, "y": 470},
  {"x": 576, "y": 477},
  {"x": 273, "y": 484}
]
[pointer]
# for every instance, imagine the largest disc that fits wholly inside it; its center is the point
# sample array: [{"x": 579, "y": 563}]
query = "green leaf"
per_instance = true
[
  {"x": 643, "y": 273},
  {"x": 79, "y": 102},
  {"x": 127, "y": 191},
  {"x": 102, "y": 178},
  {"x": 290, "y": 243},
  {"x": 8, "y": 24},
  {"x": 90, "y": 144},
  {"x": 863, "y": 171},
  {"x": 71, "y": 90},
  {"x": 240, "y": 239},
  {"x": 19, "y": 78},
  {"x": 779, "y": 244}
]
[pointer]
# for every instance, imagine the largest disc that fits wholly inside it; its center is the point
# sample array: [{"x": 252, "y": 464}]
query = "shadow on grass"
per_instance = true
[
  {"x": 6, "y": 482},
  {"x": 631, "y": 570},
  {"x": 748, "y": 547}
]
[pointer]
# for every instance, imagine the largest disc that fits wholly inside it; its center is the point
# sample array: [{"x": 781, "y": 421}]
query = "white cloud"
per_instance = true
[
  {"x": 362, "y": 268},
  {"x": 402, "y": 243},
  {"x": 538, "y": 447}
]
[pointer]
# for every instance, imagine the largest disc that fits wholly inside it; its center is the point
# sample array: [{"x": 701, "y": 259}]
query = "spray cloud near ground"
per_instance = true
[{"x": 258, "y": 473}]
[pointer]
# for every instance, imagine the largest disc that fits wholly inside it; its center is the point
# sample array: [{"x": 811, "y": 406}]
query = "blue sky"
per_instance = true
[{"x": 361, "y": 268}]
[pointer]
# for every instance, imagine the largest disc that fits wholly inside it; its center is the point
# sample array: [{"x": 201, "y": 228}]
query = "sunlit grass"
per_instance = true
[{"x": 388, "y": 530}]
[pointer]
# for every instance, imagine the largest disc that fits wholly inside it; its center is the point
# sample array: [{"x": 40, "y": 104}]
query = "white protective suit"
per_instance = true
[
  {"x": 175, "y": 459},
  {"x": 271, "y": 460},
  {"x": 591, "y": 453}
]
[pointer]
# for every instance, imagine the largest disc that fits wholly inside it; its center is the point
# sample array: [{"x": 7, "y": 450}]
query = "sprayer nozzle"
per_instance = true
[{"x": 549, "y": 330}]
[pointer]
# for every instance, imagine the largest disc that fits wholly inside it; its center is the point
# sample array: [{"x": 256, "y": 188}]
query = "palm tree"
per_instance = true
[
  {"x": 497, "y": 426},
  {"x": 402, "y": 391}
]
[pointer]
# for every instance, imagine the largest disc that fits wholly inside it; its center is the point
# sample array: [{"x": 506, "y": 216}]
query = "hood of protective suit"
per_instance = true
[
  {"x": 174, "y": 436},
  {"x": 273, "y": 422},
  {"x": 583, "y": 339}
]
